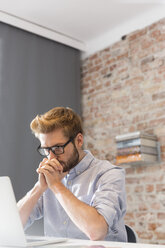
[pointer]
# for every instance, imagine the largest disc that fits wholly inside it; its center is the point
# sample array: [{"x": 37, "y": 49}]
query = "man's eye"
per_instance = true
[{"x": 57, "y": 148}]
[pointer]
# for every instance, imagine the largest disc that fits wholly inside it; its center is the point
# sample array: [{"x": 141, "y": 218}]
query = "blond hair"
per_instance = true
[{"x": 56, "y": 118}]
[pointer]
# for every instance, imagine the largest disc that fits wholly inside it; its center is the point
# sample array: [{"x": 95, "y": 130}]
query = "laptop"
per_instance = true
[{"x": 11, "y": 228}]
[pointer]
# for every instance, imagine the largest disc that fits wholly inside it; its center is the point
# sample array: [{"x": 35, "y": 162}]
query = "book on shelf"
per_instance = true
[
  {"x": 138, "y": 157},
  {"x": 135, "y": 135},
  {"x": 136, "y": 142},
  {"x": 137, "y": 149}
]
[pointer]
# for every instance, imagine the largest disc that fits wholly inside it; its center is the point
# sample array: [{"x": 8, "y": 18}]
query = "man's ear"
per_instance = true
[{"x": 79, "y": 140}]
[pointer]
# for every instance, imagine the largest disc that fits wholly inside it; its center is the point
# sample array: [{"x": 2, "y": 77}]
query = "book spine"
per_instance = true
[
  {"x": 128, "y": 143},
  {"x": 136, "y": 142},
  {"x": 135, "y": 157},
  {"x": 135, "y": 135},
  {"x": 129, "y": 150},
  {"x": 128, "y": 158},
  {"x": 137, "y": 149}
]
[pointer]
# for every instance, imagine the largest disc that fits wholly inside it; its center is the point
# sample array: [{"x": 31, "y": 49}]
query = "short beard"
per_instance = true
[{"x": 72, "y": 162}]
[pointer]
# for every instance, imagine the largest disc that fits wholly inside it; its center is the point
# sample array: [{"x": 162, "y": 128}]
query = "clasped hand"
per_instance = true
[{"x": 50, "y": 172}]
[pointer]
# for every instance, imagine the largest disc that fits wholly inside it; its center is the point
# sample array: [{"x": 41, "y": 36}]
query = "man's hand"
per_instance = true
[
  {"x": 41, "y": 178},
  {"x": 52, "y": 171}
]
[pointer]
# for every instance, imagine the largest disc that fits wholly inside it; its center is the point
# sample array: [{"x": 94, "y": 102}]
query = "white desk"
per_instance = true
[{"x": 79, "y": 242}]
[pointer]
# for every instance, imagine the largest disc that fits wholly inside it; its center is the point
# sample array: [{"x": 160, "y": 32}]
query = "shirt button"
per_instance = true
[
  {"x": 69, "y": 183},
  {"x": 65, "y": 222}
]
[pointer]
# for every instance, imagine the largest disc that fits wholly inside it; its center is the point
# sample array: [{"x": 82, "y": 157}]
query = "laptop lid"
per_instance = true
[{"x": 11, "y": 229}]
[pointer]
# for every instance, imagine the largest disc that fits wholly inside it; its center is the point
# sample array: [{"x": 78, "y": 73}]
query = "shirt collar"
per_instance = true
[{"x": 82, "y": 165}]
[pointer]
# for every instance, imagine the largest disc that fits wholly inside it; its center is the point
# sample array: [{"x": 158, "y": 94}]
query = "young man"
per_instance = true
[{"x": 78, "y": 195}]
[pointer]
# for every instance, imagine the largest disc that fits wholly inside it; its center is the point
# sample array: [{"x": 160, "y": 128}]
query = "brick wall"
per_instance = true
[{"x": 123, "y": 90}]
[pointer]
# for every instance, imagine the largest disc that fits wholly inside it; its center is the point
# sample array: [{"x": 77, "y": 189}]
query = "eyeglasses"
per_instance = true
[{"x": 57, "y": 150}]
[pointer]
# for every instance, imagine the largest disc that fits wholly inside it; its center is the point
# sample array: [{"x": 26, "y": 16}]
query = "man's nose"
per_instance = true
[{"x": 51, "y": 155}]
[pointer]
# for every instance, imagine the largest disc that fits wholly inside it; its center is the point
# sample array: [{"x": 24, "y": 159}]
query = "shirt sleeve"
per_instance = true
[
  {"x": 36, "y": 214},
  {"x": 110, "y": 198}
]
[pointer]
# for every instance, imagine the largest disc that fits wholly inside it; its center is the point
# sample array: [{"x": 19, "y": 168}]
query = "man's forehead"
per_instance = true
[{"x": 52, "y": 138}]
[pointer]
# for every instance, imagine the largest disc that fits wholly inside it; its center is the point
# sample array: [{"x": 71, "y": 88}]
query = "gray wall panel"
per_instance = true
[{"x": 36, "y": 74}]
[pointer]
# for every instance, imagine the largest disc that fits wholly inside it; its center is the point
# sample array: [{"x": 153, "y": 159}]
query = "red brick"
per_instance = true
[
  {"x": 97, "y": 61},
  {"x": 143, "y": 207},
  {"x": 110, "y": 61},
  {"x": 93, "y": 57},
  {"x": 129, "y": 216},
  {"x": 145, "y": 217},
  {"x": 146, "y": 44},
  {"x": 156, "y": 206},
  {"x": 155, "y": 34},
  {"x": 161, "y": 70},
  {"x": 145, "y": 235},
  {"x": 130, "y": 170},
  {"x": 95, "y": 69},
  {"x": 139, "y": 189},
  {"x": 137, "y": 34},
  {"x": 105, "y": 56},
  {"x": 152, "y": 226},
  {"x": 149, "y": 188},
  {"x": 161, "y": 216},
  {"x": 104, "y": 71},
  {"x": 160, "y": 187},
  {"x": 163, "y": 148},
  {"x": 124, "y": 55},
  {"x": 160, "y": 235}
]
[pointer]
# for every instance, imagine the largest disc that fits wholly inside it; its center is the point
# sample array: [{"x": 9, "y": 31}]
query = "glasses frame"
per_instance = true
[{"x": 49, "y": 148}]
